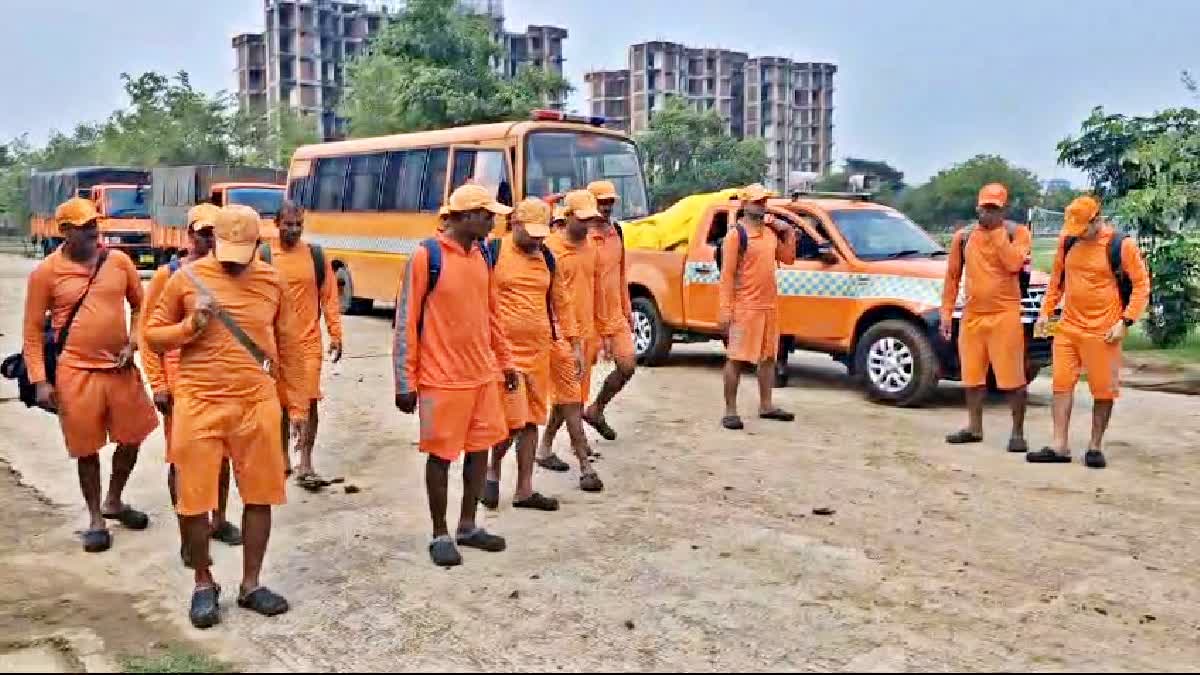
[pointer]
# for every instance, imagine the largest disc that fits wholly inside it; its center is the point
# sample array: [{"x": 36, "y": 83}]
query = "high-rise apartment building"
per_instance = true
[
  {"x": 299, "y": 59},
  {"x": 788, "y": 104}
]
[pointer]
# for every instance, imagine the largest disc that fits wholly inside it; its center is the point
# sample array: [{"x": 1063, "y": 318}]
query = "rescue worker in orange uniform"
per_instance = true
[
  {"x": 447, "y": 351},
  {"x": 570, "y": 366},
  {"x": 162, "y": 370},
  {"x": 96, "y": 389},
  {"x": 1104, "y": 286},
  {"x": 535, "y": 310},
  {"x": 749, "y": 297},
  {"x": 230, "y": 319},
  {"x": 991, "y": 335},
  {"x": 296, "y": 262},
  {"x": 616, "y": 334}
]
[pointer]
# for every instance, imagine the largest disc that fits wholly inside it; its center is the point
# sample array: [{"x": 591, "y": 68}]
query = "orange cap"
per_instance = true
[
  {"x": 470, "y": 197},
  {"x": 754, "y": 193},
  {"x": 993, "y": 194},
  {"x": 603, "y": 190},
  {"x": 201, "y": 216},
  {"x": 581, "y": 204},
  {"x": 534, "y": 215},
  {"x": 76, "y": 212},
  {"x": 236, "y": 230},
  {"x": 1079, "y": 214}
]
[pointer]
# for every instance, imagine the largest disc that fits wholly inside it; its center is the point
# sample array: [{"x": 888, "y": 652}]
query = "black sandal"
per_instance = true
[
  {"x": 537, "y": 502},
  {"x": 1017, "y": 445},
  {"x": 227, "y": 533},
  {"x": 778, "y": 415},
  {"x": 732, "y": 423},
  {"x": 963, "y": 437},
  {"x": 491, "y": 495},
  {"x": 601, "y": 426},
  {"x": 1094, "y": 459},
  {"x": 206, "y": 607},
  {"x": 130, "y": 518},
  {"x": 97, "y": 541},
  {"x": 1047, "y": 456},
  {"x": 444, "y": 553},
  {"x": 590, "y": 482},
  {"x": 264, "y": 601},
  {"x": 483, "y": 540},
  {"x": 553, "y": 463}
]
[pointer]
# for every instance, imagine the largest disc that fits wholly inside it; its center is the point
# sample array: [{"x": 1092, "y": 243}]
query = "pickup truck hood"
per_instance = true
[{"x": 933, "y": 269}]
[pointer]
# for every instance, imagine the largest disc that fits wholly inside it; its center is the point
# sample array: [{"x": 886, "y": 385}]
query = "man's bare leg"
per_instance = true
[
  {"x": 1018, "y": 402},
  {"x": 766, "y": 386},
  {"x": 973, "y": 433},
  {"x": 546, "y": 448},
  {"x": 613, "y": 384},
  {"x": 196, "y": 531},
  {"x": 589, "y": 479},
  {"x": 732, "y": 377},
  {"x": 256, "y": 524},
  {"x": 89, "y": 484},
  {"x": 1101, "y": 415},
  {"x": 490, "y": 496},
  {"x": 526, "y": 440},
  {"x": 1063, "y": 402},
  {"x": 305, "y": 445},
  {"x": 474, "y": 472},
  {"x": 124, "y": 459},
  {"x": 437, "y": 476}
]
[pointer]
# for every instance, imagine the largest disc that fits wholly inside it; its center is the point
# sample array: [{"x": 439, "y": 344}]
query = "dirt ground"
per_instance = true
[{"x": 704, "y": 553}]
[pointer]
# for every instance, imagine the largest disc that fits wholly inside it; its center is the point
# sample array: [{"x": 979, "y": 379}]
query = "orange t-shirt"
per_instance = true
[
  {"x": 522, "y": 282},
  {"x": 1091, "y": 299},
  {"x": 213, "y": 365},
  {"x": 99, "y": 331},
  {"x": 296, "y": 267},
  {"x": 161, "y": 369},
  {"x": 462, "y": 345},
  {"x": 610, "y": 271},
  {"x": 576, "y": 264},
  {"x": 749, "y": 283},
  {"x": 992, "y": 271}
]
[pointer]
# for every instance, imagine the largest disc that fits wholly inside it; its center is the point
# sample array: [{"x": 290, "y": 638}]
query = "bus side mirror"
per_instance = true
[{"x": 826, "y": 253}]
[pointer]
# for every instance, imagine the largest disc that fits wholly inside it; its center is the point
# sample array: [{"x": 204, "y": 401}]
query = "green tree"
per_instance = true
[
  {"x": 432, "y": 68},
  {"x": 270, "y": 139},
  {"x": 686, "y": 151},
  {"x": 950, "y": 196},
  {"x": 1058, "y": 199}
]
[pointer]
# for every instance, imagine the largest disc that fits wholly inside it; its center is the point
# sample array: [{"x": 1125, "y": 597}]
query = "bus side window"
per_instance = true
[
  {"x": 363, "y": 187},
  {"x": 401, "y": 189},
  {"x": 331, "y": 183},
  {"x": 434, "y": 186}
]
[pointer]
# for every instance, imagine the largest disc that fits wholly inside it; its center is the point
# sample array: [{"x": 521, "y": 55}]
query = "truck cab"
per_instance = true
[
  {"x": 866, "y": 288},
  {"x": 262, "y": 197}
]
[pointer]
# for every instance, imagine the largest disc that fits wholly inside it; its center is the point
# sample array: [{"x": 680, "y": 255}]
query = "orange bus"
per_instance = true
[{"x": 371, "y": 201}]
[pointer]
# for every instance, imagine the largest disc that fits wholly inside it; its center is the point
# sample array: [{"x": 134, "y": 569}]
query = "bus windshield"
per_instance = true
[
  {"x": 559, "y": 161},
  {"x": 127, "y": 202},
  {"x": 264, "y": 200}
]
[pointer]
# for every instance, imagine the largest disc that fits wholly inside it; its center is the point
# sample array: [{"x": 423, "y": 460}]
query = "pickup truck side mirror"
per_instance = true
[{"x": 826, "y": 253}]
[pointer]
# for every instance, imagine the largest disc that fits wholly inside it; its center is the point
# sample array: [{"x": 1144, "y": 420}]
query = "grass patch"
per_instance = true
[
  {"x": 1187, "y": 352},
  {"x": 175, "y": 660},
  {"x": 1043, "y": 254}
]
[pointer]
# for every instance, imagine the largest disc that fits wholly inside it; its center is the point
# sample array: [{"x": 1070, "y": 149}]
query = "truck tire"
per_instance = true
[
  {"x": 350, "y": 304},
  {"x": 651, "y": 337},
  {"x": 896, "y": 363}
]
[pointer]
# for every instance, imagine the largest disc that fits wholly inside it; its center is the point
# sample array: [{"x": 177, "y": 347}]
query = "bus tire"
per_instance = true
[
  {"x": 349, "y": 303},
  {"x": 652, "y": 338},
  {"x": 896, "y": 364}
]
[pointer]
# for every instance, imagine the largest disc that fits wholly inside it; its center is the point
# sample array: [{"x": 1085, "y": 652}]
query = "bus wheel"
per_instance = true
[{"x": 350, "y": 304}]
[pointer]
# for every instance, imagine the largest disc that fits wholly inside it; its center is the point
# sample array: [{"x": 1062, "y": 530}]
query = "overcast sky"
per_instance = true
[{"x": 921, "y": 83}]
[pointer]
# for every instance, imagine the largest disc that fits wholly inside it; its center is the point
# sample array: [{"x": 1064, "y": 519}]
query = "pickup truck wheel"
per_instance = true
[
  {"x": 651, "y": 338},
  {"x": 350, "y": 304},
  {"x": 896, "y": 363}
]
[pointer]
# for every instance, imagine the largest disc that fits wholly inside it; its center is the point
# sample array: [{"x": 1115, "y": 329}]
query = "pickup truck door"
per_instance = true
[
  {"x": 815, "y": 295},
  {"x": 701, "y": 278}
]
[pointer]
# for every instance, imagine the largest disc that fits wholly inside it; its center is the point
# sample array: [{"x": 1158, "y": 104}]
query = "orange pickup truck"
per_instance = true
[{"x": 866, "y": 288}]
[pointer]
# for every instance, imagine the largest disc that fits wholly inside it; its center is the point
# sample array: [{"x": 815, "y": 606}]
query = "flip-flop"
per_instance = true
[
  {"x": 228, "y": 533},
  {"x": 264, "y": 601},
  {"x": 444, "y": 553},
  {"x": 1017, "y": 445},
  {"x": 1094, "y": 459},
  {"x": 491, "y": 495},
  {"x": 590, "y": 482},
  {"x": 963, "y": 437},
  {"x": 312, "y": 482},
  {"x": 553, "y": 463},
  {"x": 483, "y": 540},
  {"x": 601, "y": 426},
  {"x": 537, "y": 502},
  {"x": 206, "y": 607},
  {"x": 97, "y": 541},
  {"x": 130, "y": 518},
  {"x": 732, "y": 423},
  {"x": 1047, "y": 456},
  {"x": 778, "y": 415}
]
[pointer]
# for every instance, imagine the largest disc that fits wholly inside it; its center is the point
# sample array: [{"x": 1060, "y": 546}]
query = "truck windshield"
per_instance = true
[
  {"x": 264, "y": 200},
  {"x": 127, "y": 203},
  {"x": 876, "y": 234},
  {"x": 559, "y": 161}
]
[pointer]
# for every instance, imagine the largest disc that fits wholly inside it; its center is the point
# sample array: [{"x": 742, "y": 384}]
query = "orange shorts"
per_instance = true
[
  {"x": 566, "y": 387},
  {"x": 98, "y": 406},
  {"x": 454, "y": 420},
  {"x": 247, "y": 432},
  {"x": 529, "y": 404},
  {"x": 312, "y": 380},
  {"x": 753, "y": 336},
  {"x": 995, "y": 340},
  {"x": 622, "y": 345},
  {"x": 1102, "y": 362}
]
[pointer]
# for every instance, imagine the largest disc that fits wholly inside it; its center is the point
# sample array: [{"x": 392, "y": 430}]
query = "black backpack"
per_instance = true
[
  {"x": 1022, "y": 277},
  {"x": 743, "y": 243},
  {"x": 1124, "y": 283}
]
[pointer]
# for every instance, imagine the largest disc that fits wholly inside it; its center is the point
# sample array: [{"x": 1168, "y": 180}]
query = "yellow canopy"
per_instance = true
[{"x": 675, "y": 226}]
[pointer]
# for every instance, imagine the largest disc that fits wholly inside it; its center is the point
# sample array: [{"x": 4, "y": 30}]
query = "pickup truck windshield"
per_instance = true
[
  {"x": 264, "y": 200},
  {"x": 875, "y": 234},
  {"x": 558, "y": 161},
  {"x": 127, "y": 203}
]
